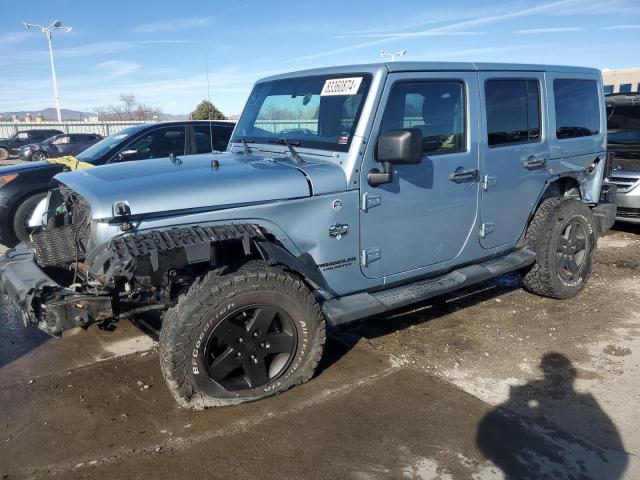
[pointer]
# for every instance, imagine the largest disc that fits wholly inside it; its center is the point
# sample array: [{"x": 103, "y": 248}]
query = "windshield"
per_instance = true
[
  {"x": 106, "y": 145},
  {"x": 623, "y": 124},
  {"x": 315, "y": 112}
]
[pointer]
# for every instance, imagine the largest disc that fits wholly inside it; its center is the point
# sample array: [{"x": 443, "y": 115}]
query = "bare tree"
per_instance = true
[{"x": 128, "y": 109}]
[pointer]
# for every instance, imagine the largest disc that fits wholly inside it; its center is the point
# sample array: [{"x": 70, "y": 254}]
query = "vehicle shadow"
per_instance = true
[
  {"x": 633, "y": 228},
  {"x": 518, "y": 437}
]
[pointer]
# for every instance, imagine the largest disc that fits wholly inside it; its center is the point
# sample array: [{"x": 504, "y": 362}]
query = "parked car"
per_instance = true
[
  {"x": 58, "y": 146},
  {"x": 403, "y": 181},
  {"x": 23, "y": 186},
  {"x": 10, "y": 146},
  {"x": 623, "y": 139}
]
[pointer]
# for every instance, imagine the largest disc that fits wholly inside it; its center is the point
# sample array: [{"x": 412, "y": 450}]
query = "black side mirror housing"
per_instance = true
[{"x": 396, "y": 147}]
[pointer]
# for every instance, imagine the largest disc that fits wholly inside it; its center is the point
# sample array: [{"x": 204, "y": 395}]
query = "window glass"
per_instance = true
[
  {"x": 436, "y": 108},
  {"x": 21, "y": 136},
  {"x": 203, "y": 137},
  {"x": 577, "y": 108},
  {"x": 607, "y": 89},
  {"x": 513, "y": 111},
  {"x": 315, "y": 112},
  {"x": 158, "y": 144},
  {"x": 625, "y": 88},
  {"x": 61, "y": 140},
  {"x": 77, "y": 138}
]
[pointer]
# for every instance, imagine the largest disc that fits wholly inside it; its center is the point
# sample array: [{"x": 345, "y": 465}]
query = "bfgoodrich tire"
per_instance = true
[
  {"x": 563, "y": 236},
  {"x": 241, "y": 336},
  {"x": 4, "y": 153}
]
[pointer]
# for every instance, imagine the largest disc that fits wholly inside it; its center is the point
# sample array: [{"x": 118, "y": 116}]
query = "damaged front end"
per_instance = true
[{"x": 61, "y": 280}]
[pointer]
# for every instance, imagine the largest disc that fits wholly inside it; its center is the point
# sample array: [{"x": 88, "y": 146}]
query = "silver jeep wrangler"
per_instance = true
[{"x": 345, "y": 192}]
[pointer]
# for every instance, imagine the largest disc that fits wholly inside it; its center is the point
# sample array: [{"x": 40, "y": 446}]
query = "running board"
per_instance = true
[{"x": 359, "y": 305}]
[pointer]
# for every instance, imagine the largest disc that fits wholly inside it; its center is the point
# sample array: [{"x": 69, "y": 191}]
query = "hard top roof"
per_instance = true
[{"x": 432, "y": 66}]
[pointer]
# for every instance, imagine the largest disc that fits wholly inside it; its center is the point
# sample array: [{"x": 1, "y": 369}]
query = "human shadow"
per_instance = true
[{"x": 523, "y": 439}]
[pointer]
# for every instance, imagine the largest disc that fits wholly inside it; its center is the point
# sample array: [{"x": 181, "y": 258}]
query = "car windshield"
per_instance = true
[
  {"x": 104, "y": 146},
  {"x": 315, "y": 112}
]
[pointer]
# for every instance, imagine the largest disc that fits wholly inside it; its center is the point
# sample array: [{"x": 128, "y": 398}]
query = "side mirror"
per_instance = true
[
  {"x": 126, "y": 153},
  {"x": 395, "y": 147}
]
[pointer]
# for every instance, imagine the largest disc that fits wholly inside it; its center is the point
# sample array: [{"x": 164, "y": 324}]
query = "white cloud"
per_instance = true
[
  {"x": 622, "y": 27},
  {"x": 550, "y": 30},
  {"x": 117, "y": 68},
  {"x": 456, "y": 26},
  {"x": 15, "y": 37},
  {"x": 391, "y": 35},
  {"x": 173, "y": 25}
]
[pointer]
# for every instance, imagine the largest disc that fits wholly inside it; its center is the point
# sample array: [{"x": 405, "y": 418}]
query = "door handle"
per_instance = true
[
  {"x": 460, "y": 175},
  {"x": 532, "y": 163}
]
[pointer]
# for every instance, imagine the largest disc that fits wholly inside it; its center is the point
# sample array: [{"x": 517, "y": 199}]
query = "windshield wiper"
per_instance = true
[
  {"x": 284, "y": 141},
  {"x": 244, "y": 141}
]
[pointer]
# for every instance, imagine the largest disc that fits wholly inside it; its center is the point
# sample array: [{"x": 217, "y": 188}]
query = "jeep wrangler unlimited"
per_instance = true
[{"x": 345, "y": 192}]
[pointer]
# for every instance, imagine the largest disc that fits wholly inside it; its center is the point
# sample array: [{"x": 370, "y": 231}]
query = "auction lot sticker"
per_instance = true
[{"x": 341, "y": 86}]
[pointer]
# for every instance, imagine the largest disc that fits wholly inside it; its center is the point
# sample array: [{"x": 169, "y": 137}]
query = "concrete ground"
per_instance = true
[{"x": 488, "y": 383}]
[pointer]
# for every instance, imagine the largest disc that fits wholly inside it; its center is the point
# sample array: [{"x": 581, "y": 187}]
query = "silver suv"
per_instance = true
[{"x": 623, "y": 139}]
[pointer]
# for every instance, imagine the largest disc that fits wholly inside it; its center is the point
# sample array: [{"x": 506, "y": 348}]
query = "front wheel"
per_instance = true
[
  {"x": 38, "y": 156},
  {"x": 241, "y": 336},
  {"x": 21, "y": 228},
  {"x": 563, "y": 236}
]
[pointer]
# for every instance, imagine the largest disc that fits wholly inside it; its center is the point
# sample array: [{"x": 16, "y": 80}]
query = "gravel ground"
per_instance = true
[{"x": 487, "y": 383}]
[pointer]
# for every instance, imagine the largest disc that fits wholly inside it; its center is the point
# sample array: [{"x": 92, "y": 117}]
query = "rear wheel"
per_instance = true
[
  {"x": 4, "y": 153},
  {"x": 23, "y": 213},
  {"x": 38, "y": 156},
  {"x": 241, "y": 336},
  {"x": 563, "y": 236}
]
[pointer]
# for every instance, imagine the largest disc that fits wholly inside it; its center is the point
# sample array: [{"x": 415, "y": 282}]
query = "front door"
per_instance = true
[
  {"x": 514, "y": 151},
  {"x": 424, "y": 216}
]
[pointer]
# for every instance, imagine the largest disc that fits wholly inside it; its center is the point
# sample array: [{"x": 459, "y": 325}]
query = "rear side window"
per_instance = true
[
  {"x": 577, "y": 108},
  {"x": 435, "y": 108},
  {"x": 513, "y": 111},
  {"x": 214, "y": 138}
]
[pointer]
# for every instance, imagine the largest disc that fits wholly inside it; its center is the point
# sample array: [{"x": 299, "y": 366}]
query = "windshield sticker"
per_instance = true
[
  {"x": 343, "y": 140},
  {"x": 341, "y": 86}
]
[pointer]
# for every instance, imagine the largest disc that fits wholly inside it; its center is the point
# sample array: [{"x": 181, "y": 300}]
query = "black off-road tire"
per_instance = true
[
  {"x": 21, "y": 217},
  {"x": 4, "y": 153},
  {"x": 212, "y": 300},
  {"x": 546, "y": 236}
]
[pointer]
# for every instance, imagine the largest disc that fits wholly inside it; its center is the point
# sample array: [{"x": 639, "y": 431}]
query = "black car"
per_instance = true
[
  {"x": 10, "y": 146},
  {"x": 58, "y": 146},
  {"x": 23, "y": 186}
]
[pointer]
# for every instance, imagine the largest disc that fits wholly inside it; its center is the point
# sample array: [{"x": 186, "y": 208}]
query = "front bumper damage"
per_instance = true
[{"x": 44, "y": 302}]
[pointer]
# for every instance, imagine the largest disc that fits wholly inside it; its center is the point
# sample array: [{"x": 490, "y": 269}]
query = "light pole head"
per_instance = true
[{"x": 56, "y": 24}]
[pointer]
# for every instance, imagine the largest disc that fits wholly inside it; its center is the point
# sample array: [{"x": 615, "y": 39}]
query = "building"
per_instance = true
[{"x": 624, "y": 80}]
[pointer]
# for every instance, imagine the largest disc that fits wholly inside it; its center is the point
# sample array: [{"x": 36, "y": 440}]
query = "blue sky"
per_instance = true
[{"x": 156, "y": 49}]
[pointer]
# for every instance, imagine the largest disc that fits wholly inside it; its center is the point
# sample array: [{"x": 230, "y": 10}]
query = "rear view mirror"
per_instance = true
[
  {"x": 126, "y": 153},
  {"x": 396, "y": 147}
]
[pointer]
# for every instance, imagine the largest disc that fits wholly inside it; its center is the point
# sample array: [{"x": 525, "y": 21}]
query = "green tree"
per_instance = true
[{"x": 207, "y": 111}]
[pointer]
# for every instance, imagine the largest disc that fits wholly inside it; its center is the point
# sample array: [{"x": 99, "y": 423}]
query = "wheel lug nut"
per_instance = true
[
  {"x": 255, "y": 334},
  {"x": 240, "y": 340},
  {"x": 239, "y": 354},
  {"x": 262, "y": 344}
]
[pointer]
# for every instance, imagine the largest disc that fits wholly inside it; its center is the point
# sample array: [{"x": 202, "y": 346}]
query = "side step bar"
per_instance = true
[{"x": 360, "y": 305}]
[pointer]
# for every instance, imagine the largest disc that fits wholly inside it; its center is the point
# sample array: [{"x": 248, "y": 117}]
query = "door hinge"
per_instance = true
[
  {"x": 370, "y": 255},
  {"x": 486, "y": 229},
  {"x": 370, "y": 200},
  {"x": 488, "y": 181}
]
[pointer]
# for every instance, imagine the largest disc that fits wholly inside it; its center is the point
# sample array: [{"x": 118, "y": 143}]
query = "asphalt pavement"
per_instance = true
[{"x": 487, "y": 383}]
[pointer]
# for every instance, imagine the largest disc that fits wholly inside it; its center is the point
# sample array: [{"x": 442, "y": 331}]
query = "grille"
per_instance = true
[
  {"x": 59, "y": 246},
  {"x": 628, "y": 212},
  {"x": 624, "y": 183}
]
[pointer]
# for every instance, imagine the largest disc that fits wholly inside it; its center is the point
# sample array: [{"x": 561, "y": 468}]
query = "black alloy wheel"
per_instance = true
[
  {"x": 250, "y": 347},
  {"x": 572, "y": 250}
]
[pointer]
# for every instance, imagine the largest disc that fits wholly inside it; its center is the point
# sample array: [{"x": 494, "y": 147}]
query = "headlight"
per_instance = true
[{"x": 4, "y": 179}]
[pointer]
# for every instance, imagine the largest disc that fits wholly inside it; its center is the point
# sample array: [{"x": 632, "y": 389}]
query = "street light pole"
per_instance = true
[
  {"x": 393, "y": 55},
  {"x": 47, "y": 31}
]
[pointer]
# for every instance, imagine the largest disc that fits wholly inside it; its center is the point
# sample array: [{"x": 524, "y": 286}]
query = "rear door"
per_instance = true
[
  {"x": 425, "y": 215},
  {"x": 515, "y": 153}
]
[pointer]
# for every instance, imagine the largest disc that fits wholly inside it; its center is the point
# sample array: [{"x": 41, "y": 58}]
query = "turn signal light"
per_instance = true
[{"x": 4, "y": 179}]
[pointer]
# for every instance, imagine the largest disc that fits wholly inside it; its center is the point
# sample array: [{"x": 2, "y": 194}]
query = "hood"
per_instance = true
[
  {"x": 163, "y": 185},
  {"x": 24, "y": 167}
]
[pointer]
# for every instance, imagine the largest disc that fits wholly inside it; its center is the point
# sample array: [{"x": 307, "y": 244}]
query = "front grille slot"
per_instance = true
[
  {"x": 624, "y": 183},
  {"x": 624, "y": 212}
]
